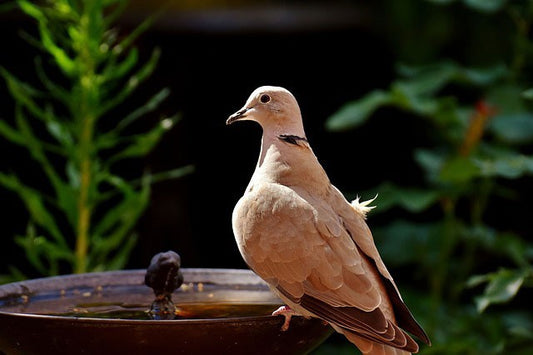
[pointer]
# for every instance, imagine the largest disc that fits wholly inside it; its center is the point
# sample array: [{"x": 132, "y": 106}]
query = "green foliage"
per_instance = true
[
  {"x": 482, "y": 122},
  {"x": 487, "y": 6},
  {"x": 415, "y": 93},
  {"x": 502, "y": 286},
  {"x": 84, "y": 220}
]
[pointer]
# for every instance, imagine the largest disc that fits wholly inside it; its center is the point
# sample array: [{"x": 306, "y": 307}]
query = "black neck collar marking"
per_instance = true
[{"x": 291, "y": 139}]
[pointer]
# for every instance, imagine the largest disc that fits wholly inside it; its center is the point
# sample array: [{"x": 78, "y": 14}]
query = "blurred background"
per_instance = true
[{"x": 114, "y": 144}]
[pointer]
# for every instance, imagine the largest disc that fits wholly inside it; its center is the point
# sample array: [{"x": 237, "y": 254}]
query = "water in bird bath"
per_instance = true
[
  {"x": 193, "y": 300},
  {"x": 171, "y": 298},
  {"x": 185, "y": 311}
]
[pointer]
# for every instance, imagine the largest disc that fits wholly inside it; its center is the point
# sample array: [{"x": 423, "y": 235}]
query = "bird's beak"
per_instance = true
[{"x": 237, "y": 115}]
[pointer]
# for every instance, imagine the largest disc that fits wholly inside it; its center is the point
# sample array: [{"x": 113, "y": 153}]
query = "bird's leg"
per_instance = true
[{"x": 286, "y": 312}]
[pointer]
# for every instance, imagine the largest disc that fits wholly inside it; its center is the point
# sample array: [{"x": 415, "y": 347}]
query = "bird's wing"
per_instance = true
[
  {"x": 358, "y": 230},
  {"x": 302, "y": 248}
]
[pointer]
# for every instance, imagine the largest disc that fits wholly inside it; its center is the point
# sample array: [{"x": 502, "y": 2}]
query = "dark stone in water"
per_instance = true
[{"x": 164, "y": 277}]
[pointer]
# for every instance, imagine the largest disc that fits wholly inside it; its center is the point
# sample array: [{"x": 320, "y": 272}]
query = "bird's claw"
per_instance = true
[{"x": 286, "y": 312}]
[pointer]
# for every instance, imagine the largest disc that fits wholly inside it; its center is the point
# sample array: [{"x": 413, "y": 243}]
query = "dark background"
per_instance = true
[
  {"x": 212, "y": 59},
  {"x": 214, "y": 54}
]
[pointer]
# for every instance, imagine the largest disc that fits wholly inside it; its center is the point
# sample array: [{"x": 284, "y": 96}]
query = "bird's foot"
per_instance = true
[{"x": 286, "y": 312}]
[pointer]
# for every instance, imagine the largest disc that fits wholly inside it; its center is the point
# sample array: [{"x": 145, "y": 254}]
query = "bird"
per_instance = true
[{"x": 312, "y": 246}]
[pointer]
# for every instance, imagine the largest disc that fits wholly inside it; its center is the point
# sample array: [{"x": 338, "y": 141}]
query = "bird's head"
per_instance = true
[{"x": 274, "y": 108}]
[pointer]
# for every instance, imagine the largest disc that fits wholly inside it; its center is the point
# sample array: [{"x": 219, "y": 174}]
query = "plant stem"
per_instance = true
[
  {"x": 84, "y": 210},
  {"x": 476, "y": 127},
  {"x": 86, "y": 117}
]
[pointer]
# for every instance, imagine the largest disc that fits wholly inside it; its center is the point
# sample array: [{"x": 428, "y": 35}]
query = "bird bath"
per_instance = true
[{"x": 220, "y": 311}]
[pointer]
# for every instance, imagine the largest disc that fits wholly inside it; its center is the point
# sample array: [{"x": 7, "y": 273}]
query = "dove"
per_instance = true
[{"x": 298, "y": 232}]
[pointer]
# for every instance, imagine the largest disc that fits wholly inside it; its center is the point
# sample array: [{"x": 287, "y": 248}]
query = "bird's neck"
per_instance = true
[
  {"x": 287, "y": 159},
  {"x": 282, "y": 144}
]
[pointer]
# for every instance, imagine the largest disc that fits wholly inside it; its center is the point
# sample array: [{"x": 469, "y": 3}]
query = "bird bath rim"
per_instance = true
[
  {"x": 25, "y": 333},
  {"x": 216, "y": 276}
]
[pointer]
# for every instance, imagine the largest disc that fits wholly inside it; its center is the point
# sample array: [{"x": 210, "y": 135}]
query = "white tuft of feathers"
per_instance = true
[{"x": 362, "y": 207}]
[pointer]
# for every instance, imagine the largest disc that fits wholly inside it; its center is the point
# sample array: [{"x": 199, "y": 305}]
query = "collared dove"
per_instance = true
[{"x": 297, "y": 232}]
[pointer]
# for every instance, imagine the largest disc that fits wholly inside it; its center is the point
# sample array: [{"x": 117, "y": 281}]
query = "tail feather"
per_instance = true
[{"x": 369, "y": 347}]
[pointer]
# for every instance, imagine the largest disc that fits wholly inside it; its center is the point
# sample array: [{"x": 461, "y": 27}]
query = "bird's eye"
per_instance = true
[{"x": 265, "y": 98}]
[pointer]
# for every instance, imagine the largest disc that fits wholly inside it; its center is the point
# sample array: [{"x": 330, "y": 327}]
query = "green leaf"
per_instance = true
[
  {"x": 93, "y": 32},
  {"x": 154, "y": 178},
  {"x": 411, "y": 199},
  {"x": 509, "y": 167},
  {"x": 513, "y": 246},
  {"x": 426, "y": 80},
  {"x": 416, "y": 93},
  {"x": 508, "y": 245},
  {"x": 417, "y": 200},
  {"x": 514, "y": 128},
  {"x": 528, "y": 94},
  {"x": 171, "y": 174},
  {"x": 33, "y": 200},
  {"x": 405, "y": 98},
  {"x": 10, "y": 133},
  {"x": 430, "y": 79},
  {"x": 502, "y": 286},
  {"x": 110, "y": 232},
  {"x": 355, "y": 113},
  {"x": 23, "y": 94},
  {"x": 14, "y": 275},
  {"x": 108, "y": 221},
  {"x": 431, "y": 162},
  {"x": 402, "y": 243},
  {"x": 118, "y": 71},
  {"x": 482, "y": 76},
  {"x": 441, "y": 2},
  {"x": 487, "y": 6},
  {"x": 144, "y": 143},
  {"x": 519, "y": 323},
  {"x": 507, "y": 98},
  {"x": 30, "y": 243},
  {"x": 133, "y": 202},
  {"x": 60, "y": 132},
  {"x": 133, "y": 35},
  {"x": 38, "y": 248},
  {"x": 116, "y": 11},
  {"x": 67, "y": 196},
  {"x": 36, "y": 147},
  {"x": 151, "y": 105},
  {"x": 73, "y": 174},
  {"x": 477, "y": 280},
  {"x": 459, "y": 170},
  {"x": 133, "y": 82},
  {"x": 31, "y": 9},
  {"x": 53, "y": 89},
  {"x": 63, "y": 61}
]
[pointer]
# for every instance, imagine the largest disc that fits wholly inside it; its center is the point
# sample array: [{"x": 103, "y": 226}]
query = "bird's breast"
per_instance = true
[{"x": 265, "y": 214}]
